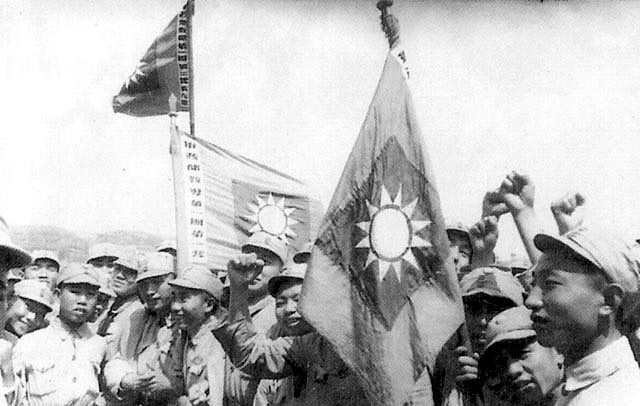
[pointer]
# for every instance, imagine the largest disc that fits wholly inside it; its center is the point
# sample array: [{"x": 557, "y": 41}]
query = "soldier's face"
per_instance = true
[
  {"x": 123, "y": 281},
  {"x": 272, "y": 267},
  {"x": 25, "y": 316},
  {"x": 479, "y": 309},
  {"x": 77, "y": 302},
  {"x": 190, "y": 308},
  {"x": 101, "y": 305},
  {"x": 155, "y": 293},
  {"x": 287, "y": 309},
  {"x": 103, "y": 264},
  {"x": 44, "y": 270},
  {"x": 460, "y": 249}
]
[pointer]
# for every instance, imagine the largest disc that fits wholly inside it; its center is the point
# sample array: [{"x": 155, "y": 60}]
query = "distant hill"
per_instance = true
[{"x": 73, "y": 246}]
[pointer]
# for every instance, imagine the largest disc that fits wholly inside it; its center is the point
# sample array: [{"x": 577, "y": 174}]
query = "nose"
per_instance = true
[
  {"x": 291, "y": 307},
  {"x": 176, "y": 307},
  {"x": 514, "y": 369},
  {"x": 534, "y": 300}
]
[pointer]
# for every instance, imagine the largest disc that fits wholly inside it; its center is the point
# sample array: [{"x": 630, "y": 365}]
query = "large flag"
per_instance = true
[
  {"x": 222, "y": 198},
  {"x": 162, "y": 71},
  {"x": 379, "y": 287}
]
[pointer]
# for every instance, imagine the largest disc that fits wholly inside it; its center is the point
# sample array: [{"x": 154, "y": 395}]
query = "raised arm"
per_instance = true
[{"x": 568, "y": 210}]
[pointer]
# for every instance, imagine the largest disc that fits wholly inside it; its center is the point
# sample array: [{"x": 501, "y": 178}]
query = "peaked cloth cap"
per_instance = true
[
  {"x": 157, "y": 264},
  {"x": 511, "y": 324},
  {"x": 103, "y": 250},
  {"x": 268, "y": 242},
  {"x": 494, "y": 282},
  {"x": 199, "y": 278},
  {"x": 35, "y": 290},
  {"x": 292, "y": 272},
  {"x": 45, "y": 254},
  {"x": 10, "y": 254},
  {"x": 617, "y": 258},
  {"x": 79, "y": 273},
  {"x": 303, "y": 255}
]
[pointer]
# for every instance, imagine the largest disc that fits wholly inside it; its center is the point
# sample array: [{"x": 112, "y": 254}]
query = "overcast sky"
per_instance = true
[{"x": 552, "y": 88}]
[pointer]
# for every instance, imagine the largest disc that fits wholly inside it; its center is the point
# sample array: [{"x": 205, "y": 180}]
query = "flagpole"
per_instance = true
[{"x": 192, "y": 121}]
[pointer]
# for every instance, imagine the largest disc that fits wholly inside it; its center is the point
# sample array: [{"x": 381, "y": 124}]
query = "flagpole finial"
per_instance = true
[{"x": 389, "y": 22}]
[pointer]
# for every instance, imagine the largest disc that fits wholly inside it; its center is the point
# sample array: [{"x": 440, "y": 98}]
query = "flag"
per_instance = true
[
  {"x": 379, "y": 286},
  {"x": 162, "y": 71},
  {"x": 225, "y": 197}
]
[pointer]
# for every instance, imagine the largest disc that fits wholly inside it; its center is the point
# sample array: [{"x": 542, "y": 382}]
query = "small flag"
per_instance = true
[
  {"x": 227, "y": 197},
  {"x": 162, "y": 71},
  {"x": 378, "y": 286}
]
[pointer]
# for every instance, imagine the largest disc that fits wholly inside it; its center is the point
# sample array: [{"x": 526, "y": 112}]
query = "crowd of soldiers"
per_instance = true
[{"x": 125, "y": 328}]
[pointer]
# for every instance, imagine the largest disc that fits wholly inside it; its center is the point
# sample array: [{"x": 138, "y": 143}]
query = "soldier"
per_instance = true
[
  {"x": 196, "y": 298},
  {"x": 148, "y": 342},
  {"x": 11, "y": 256},
  {"x": 59, "y": 365},
  {"x": 14, "y": 276},
  {"x": 460, "y": 245},
  {"x": 44, "y": 268},
  {"x": 168, "y": 246},
  {"x": 27, "y": 312},
  {"x": 105, "y": 296},
  {"x": 286, "y": 289},
  {"x": 102, "y": 257},
  {"x": 240, "y": 388},
  {"x": 123, "y": 284}
]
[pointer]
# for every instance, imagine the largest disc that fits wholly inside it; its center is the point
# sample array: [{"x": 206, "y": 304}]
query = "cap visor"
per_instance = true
[
  {"x": 151, "y": 274},
  {"x": 183, "y": 283},
  {"x": 36, "y": 299},
  {"x": 509, "y": 336},
  {"x": 14, "y": 257},
  {"x": 276, "y": 281},
  {"x": 80, "y": 279}
]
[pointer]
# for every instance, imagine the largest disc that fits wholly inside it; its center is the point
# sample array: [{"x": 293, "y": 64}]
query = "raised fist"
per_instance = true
[
  {"x": 568, "y": 211},
  {"x": 484, "y": 237},
  {"x": 517, "y": 191},
  {"x": 243, "y": 269},
  {"x": 493, "y": 205}
]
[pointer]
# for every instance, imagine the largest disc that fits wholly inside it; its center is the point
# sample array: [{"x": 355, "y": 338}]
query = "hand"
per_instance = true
[
  {"x": 467, "y": 366},
  {"x": 517, "y": 192},
  {"x": 568, "y": 211},
  {"x": 199, "y": 393},
  {"x": 159, "y": 383},
  {"x": 493, "y": 205},
  {"x": 132, "y": 382},
  {"x": 243, "y": 269},
  {"x": 484, "y": 237}
]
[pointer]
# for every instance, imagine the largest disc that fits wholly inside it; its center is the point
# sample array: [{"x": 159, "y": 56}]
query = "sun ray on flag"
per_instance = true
[{"x": 272, "y": 215}]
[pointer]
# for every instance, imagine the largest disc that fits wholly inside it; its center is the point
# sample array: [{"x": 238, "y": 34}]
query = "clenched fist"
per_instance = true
[
  {"x": 517, "y": 191},
  {"x": 484, "y": 237},
  {"x": 568, "y": 211},
  {"x": 243, "y": 269}
]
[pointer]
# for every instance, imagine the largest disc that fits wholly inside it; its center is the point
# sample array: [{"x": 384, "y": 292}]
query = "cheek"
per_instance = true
[
  {"x": 270, "y": 271},
  {"x": 279, "y": 313}
]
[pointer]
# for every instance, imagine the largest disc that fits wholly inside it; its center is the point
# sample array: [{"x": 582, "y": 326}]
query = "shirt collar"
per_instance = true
[
  {"x": 64, "y": 331},
  {"x": 201, "y": 335},
  {"x": 598, "y": 365}
]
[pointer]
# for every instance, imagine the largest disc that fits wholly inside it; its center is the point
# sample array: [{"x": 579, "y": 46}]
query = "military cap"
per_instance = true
[
  {"x": 291, "y": 272},
  {"x": 157, "y": 264},
  {"x": 45, "y": 254},
  {"x": 457, "y": 227},
  {"x": 78, "y": 273},
  {"x": 129, "y": 258},
  {"x": 35, "y": 290},
  {"x": 104, "y": 279},
  {"x": 261, "y": 239},
  {"x": 511, "y": 324},
  {"x": 615, "y": 257},
  {"x": 199, "y": 277},
  {"x": 12, "y": 255},
  {"x": 168, "y": 246},
  {"x": 303, "y": 255},
  {"x": 103, "y": 250},
  {"x": 492, "y": 281}
]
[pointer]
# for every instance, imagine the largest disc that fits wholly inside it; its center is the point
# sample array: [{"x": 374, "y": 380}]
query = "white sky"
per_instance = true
[{"x": 550, "y": 88}]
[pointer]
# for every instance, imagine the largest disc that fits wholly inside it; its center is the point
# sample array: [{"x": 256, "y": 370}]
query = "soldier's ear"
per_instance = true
[
  {"x": 211, "y": 304},
  {"x": 613, "y": 295}
]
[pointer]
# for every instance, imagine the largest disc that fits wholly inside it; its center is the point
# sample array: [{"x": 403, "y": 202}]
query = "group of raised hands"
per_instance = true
[{"x": 516, "y": 195}]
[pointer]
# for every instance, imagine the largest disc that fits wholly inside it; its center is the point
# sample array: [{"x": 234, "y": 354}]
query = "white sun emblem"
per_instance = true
[
  {"x": 272, "y": 217},
  {"x": 135, "y": 76},
  {"x": 391, "y": 233}
]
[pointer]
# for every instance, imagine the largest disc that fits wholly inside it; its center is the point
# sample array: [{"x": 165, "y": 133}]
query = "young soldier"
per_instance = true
[
  {"x": 459, "y": 245},
  {"x": 516, "y": 369},
  {"x": 59, "y": 365},
  {"x": 44, "y": 268},
  {"x": 581, "y": 281},
  {"x": 149, "y": 344},
  {"x": 286, "y": 289},
  {"x": 102, "y": 257},
  {"x": 14, "y": 276},
  {"x": 123, "y": 284},
  {"x": 196, "y": 298},
  {"x": 240, "y": 388},
  {"x": 32, "y": 302}
]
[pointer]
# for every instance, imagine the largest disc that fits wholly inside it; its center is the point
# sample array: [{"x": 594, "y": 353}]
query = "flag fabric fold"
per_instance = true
[
  {"x": 163, "y": 70},
  {"x": 225, "y": 197},
  {"x": 379, "y": 287}
]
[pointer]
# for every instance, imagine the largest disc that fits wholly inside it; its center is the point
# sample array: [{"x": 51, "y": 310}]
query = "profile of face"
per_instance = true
[
  {"x": 291, "y": 322},
  {"x": 521, "y": 372},
  {"x": 77, "y": 302},
  {"x": 479, "y": 309},
  {"x": 44, "y": 270},
  {"x": 26, "y": 315},
  {"x": 156, "y": 293},
  {"x": 272, "y": 267},
  {"x": 123, "y": 281},
  {"x": 191, "y": 308},
  {"x": 566, "y": 302},
  {"x": 102, "y": 303},
  {"x": 459, "y": 249}
]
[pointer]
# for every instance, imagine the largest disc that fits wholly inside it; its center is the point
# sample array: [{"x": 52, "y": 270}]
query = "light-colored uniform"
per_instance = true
[
  {"x": 146, "y": 343},
  {"x": 116, "y": 317},
  {"x": 204, "y": 367},
  {"x": 58, "y": 365},
  {"x": 239, "y": 387},
  {"x": 609, "y": 376}
]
